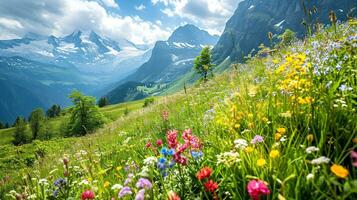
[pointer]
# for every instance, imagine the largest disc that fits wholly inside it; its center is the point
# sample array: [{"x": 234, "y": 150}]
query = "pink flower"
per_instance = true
[
  {"x": 190, "y": 139},
  {"x": 88, "y": 194},
  {"x": 256, "y": 188},
  {"x": 172, "y": 138},
  {"x": 180, "y": 159},
  {"x": 165, "y": 115},
  {"x": 159, "y": 142},
  {"x": 148, "y": 145},
  {"x": 354, "y": 158}
]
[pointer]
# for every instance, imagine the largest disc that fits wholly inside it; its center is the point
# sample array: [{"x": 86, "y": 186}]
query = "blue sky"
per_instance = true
[{"x": 136, "y": 20}]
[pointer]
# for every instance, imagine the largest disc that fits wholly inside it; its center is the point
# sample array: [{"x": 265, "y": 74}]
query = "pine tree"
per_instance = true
[
  {"x": 203, "y": 63},
  {"x": 37, "y": 119},
  {"x": 103, "y": 101},
  {"x": 85, "y": 115},
  {"x": 20, "y": 134},
  {"x": 2, "y": 125},
  {"x": 54, "y": 111}
]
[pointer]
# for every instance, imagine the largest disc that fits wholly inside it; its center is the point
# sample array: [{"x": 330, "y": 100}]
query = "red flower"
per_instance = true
[
  {"x": 180, "y": 159},
  {"x": 172, "y": 139},
  {"x": 173, "y": 196},
  {"x": 148, "y": 145},
  {"x": 204, "y": 173},
  {"x": 159, "y": 142},
  {"x": 211, "y": 186},
  {"x": 88, "y": 194}
]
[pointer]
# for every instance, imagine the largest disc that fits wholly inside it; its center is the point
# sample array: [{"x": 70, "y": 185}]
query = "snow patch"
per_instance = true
[
  {"x": 251, "y": 7},
  {"x": 280, "y": 23}
]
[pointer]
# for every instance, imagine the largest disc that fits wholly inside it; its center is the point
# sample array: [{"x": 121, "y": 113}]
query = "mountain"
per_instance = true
[
  {"x": 253, "y": 19},
  {"x": 27, "y": 84},
  {"x": 38, "y": 71},
  {"x": 170, "y": 59}
]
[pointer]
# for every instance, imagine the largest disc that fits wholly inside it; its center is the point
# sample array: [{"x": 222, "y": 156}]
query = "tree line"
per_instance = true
[{"x": 84, "y": 118}]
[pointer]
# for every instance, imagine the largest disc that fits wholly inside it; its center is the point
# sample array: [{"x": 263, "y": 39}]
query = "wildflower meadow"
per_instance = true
[{"x": 281, "y": 126}]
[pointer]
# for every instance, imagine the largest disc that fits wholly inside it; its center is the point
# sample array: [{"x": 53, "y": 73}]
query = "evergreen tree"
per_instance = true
[
  {"x": 7, "y": 125},
  {"x": 16, "y": 121},
  {"x": 203, "y": 63},
  {"x": 54, "y": 111},
  {"x": 103, "y": 101},
  {"x": 20, "y": 134},
  {"x": 2, "y": 125},
  {"x": 85, "y": 115},
  {"x": 37, "y": 119}
]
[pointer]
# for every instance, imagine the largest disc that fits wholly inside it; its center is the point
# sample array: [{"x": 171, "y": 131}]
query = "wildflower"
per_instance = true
[
  {"x": 343, "y": 88},
  {"x": 249, "y": 149},
  {"x": 274, "y": 153},
  {"x": 211, "y": 186},
  {"x": 106, "y": 184},
  {"x": 339, "y": 171},
  {"x": 165, "y": 115},
  {"x": 144, "y": 183},
  {"x": 310, "y": 137},
  {"x": 173, "y": 196},
  {"x": 281, "y": 130},
  {"x": 354, "y": 158},
  {"x": 196, "y": 155},
  {"x": 159, "y": 142},
  {"x": 140, "y": 195},
  {"x": 116, "y": 187},
  {"x": 257, "y": 139},
  {"x": 311, "y": 149},
  {"x": 320, "y": 160},
  {"x": 88, "y": 194},
  {"x": 164, "y": 151},
  {"x": 172, "y": 138},
  {"x": 65, "y": 161},
  {"x": 150, "y": 161},
  {"x": 60, "y": 182},
  {"x": 205, "y": 172},
  {"x": 125, "y": 191},
  {"x": 180, "y": 159},
  {"x": 257, "y": 188},
  {"x": 310, "y": 177},
  {"x": 277, "y": 136},
  {"x": 261, "y": 162},
  {"x": 228, "y": 158},
  {"x": 241, "y": 143},
  {"x": 148, "y": 145}
]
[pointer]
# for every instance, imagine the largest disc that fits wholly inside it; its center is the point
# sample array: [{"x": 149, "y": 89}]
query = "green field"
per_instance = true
[{"x": 281, "y": 126}]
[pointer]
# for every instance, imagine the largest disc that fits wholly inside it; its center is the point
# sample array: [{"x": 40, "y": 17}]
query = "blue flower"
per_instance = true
[
  {"x": 60, "y": 182},
  {"x": 162, "y": 160},
  {"x": 164, "y": 151},
  {"x": 196, "y": 155},
  {"x": 171, "y": 152}
]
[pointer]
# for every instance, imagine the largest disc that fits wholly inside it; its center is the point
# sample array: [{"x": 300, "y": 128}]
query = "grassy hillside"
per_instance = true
[{"x": 278, "y": 127}]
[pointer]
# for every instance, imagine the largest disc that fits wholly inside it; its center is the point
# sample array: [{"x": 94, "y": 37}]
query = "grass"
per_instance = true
[{"x": 251, "y": 124}]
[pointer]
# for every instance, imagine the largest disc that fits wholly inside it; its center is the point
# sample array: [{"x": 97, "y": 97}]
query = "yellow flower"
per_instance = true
[
  {"x": 281, "y": 130},
  {"x": 339, "y": 171},
  {"x": 274, "y": 154},
  {"x": 119, "y": 168},
  {"x": 261, "y": 162},
  {"x": 277, "y": 136},
  {"x": 89, "y": 179},
  {"x": 249, "y": 149},
  {"x": 310, "y": 137},
  {"x": 106, "y": 184}
]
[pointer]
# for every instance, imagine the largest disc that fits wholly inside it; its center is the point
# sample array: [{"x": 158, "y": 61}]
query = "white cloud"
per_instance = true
[
  {"x": 210, "y": 15},
  {"x": 110, "y": 3},
  {"x": 63, "y": 17},
  {"x": 140, "y": 7}
]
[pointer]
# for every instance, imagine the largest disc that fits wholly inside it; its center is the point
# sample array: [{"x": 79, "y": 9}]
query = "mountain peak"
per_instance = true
[{"x": 193, "y": 35}]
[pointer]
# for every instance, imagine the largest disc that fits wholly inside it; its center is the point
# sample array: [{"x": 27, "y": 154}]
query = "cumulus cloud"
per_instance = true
[
  {"x": 110, "y": 3},
  {"x": 211, "y": 15},
  {"x": 45, "y": 17},
  {"x": 140, "y": 7}
]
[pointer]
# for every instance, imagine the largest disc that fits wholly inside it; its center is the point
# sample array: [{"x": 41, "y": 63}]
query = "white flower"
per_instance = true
[
  {"x": 228, "y": 158},
  {"x": 311, "y": 149},
  {"x": 283, "y": 139},
  {"x": 320, "y": 160},
  {"x": 84, "y": 182},
  {"x": 310, "y": 176},
  {"x": 116, "y": 187},
  {"x": 241, "y": 144},
  {"x": 43, "y": 182},
  {"x": 150, "y": 161}
]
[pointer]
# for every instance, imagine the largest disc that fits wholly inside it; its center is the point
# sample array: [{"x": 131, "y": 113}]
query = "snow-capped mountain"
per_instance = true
[{"x": 87, "y": 51}]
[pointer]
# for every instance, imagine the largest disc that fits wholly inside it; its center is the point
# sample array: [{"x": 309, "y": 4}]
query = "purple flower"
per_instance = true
[
  {"x": 144, "y": 183},
  {"x": 140, "y": 195},
  {"x": 257, "y": 138},
  {"x": 125, "y": 191}
]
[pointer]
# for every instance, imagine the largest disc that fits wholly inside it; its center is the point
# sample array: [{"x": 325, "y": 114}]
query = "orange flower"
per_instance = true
[{"x": 339, "y": 171}]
